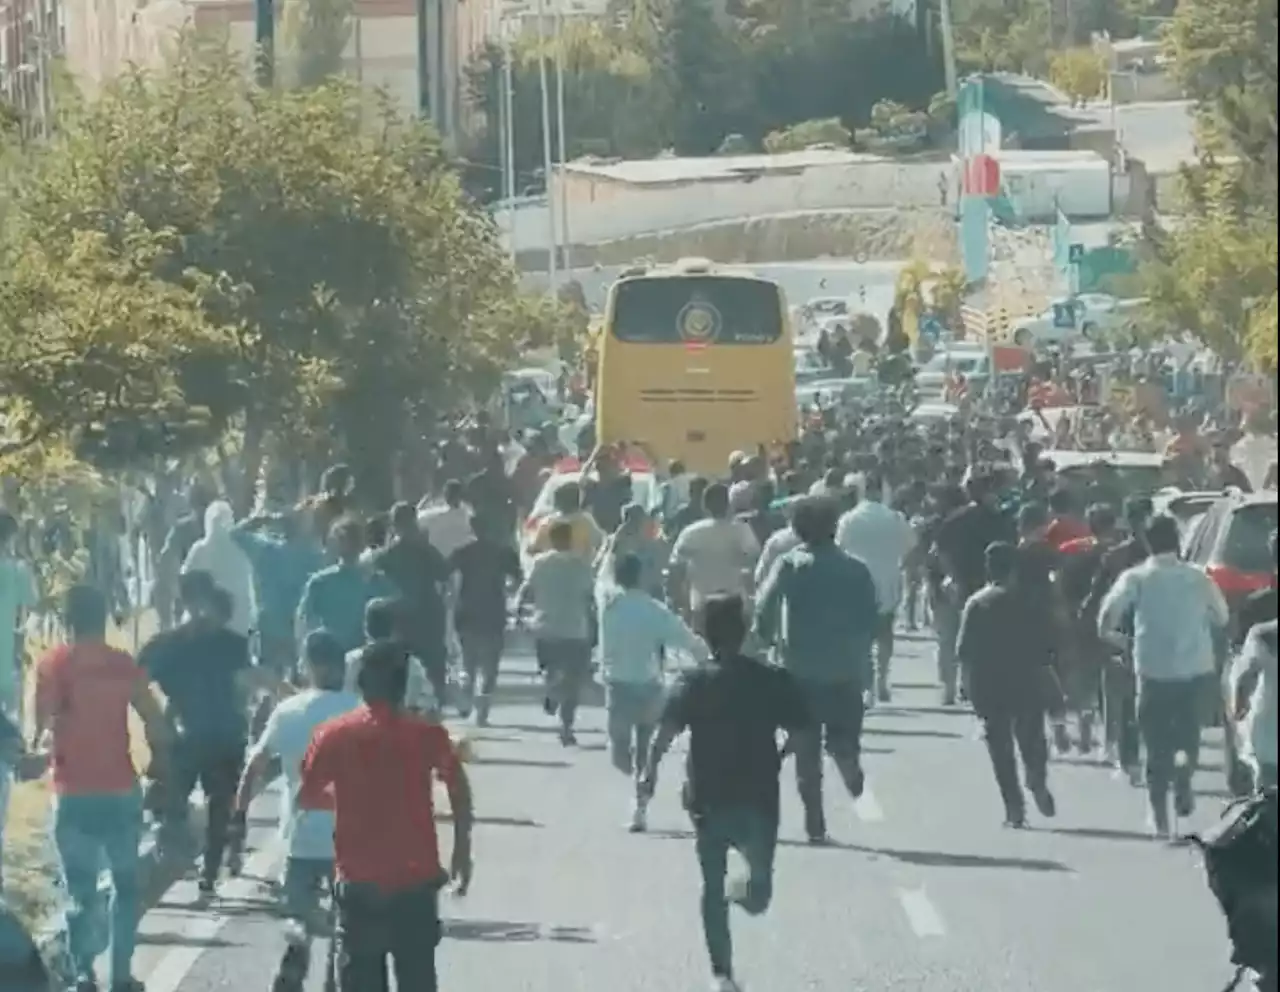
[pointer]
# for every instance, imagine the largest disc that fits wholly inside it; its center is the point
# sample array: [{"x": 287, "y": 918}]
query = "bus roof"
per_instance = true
[{"x": 686, "y": 267}]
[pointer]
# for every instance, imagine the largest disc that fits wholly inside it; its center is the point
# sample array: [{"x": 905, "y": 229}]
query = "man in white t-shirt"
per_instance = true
[
  {"x": 307, "y": 835},
  {"x": 447, "y": 527},
  {"x": 714, "y": 556}
]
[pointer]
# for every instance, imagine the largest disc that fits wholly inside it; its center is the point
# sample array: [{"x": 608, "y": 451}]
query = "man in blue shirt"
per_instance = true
[
  {"x": 819, "y": 607},
  {"x": 335, "y": 598},
  {"x": 283, "y": 560}
]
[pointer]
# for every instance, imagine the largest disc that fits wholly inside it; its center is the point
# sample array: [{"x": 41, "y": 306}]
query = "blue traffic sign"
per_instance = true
[
  {"x": 930, "y": 328},
  {"x": 1075, "y": 254}
]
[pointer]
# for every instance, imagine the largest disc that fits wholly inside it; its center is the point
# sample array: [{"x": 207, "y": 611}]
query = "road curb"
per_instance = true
[{"x": 159, "y": 866}]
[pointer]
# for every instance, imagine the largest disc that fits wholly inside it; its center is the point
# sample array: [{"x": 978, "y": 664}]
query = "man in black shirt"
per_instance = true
[
  {"x": 487, "y": 568},
  {"x": 205, "y": 672},
  {"x": 1119, "y": 689},
  {"x": 1008, "y": 651},
  {"x": 418, "y": 571},
  {"x": 959, "y": 544},
  {"x": 733, "y": 708}
]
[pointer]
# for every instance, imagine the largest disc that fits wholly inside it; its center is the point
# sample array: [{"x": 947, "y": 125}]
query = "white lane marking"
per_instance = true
[
  {"x": 868, "y": 807},
  {"x": 923, "y": 916},
  {"x": 202, "y": 925}
]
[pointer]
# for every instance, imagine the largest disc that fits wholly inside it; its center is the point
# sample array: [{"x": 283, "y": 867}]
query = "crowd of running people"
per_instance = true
[{"x": 335, "y": 642}]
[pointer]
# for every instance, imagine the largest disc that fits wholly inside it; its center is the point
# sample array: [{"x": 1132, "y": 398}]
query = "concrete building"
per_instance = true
[
  {"x": 30, "y": 43},
  {"x": 103, "y": 37}
]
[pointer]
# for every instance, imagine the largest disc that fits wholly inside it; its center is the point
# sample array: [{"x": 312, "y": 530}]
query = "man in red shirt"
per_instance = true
[
  {"x": 1065, "y": 525},
  {"x": 375, "y": 768},
  {"x": 84, "y": 690}
]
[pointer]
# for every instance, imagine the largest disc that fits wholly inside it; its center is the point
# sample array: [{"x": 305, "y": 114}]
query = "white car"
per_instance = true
[
  {"x": 1074, "y": 319},
  {"x": 967, "y": 358}
]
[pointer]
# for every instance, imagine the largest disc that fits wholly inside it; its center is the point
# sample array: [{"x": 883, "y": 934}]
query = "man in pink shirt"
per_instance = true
[{"x": 84, "y": 690}]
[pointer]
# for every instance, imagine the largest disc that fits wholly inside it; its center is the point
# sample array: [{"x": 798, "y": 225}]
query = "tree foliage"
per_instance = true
[
  {"x": 675, "y": 74},
  {"x": 1215, "y": 271},
  {"x": 1081, "y": 73},
  {"x": 316, "y": 35},
  {"x": 806, "y": 134},
  {"x": 194, "y": 251}
]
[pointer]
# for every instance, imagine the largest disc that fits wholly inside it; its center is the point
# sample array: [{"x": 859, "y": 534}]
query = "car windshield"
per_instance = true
[{"x": 1246, "y": 547}]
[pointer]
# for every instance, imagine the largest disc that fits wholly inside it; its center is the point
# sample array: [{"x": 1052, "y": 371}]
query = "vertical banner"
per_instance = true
[
  {"x": 974, "y": 238},
  {"x": 1062, "y": 243}
]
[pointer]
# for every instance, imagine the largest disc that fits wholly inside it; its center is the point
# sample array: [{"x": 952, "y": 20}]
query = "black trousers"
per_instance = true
[
  {"x": 215, "y": 766},
  {"x": 1011, "y": 733},
  {"x": 373, "y": 925}
]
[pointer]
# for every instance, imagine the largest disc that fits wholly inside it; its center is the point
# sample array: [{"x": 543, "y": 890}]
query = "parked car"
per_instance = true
[
  {"x": 1230, "y": 542},
  {"x": 1086, "y": 317}
]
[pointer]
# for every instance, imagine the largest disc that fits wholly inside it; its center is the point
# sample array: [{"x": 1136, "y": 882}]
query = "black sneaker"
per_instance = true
[
  {"x": 1184, "y": 802},
  {"x": 1044, "y": 801},
  {"x": 86, "y": 983},
  {"x": 207, "y": 888},
  {"x": 129, "y": 985},
  {"x": 548, "y": 706},
  {"x": 1016, "y": 821}
]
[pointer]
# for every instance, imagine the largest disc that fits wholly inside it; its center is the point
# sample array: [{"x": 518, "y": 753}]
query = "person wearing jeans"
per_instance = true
[
  {"x": 819, "y": 606},
  {"x": 561, "y": 585},
  {"x": 636, "y": 631},
  {"x": 84, "y": 690},
  {"x": 1177, "y": 610},
  {"x": 733, "y": 707}
]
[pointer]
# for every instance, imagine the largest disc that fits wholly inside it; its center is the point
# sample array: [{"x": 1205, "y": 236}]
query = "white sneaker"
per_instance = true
[
  {"x": 722, "y": 984},
  {"x": 639, "y": 822}
]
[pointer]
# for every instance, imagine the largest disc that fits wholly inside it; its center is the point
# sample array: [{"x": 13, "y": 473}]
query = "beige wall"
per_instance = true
[{"x": 105, "y": 36}]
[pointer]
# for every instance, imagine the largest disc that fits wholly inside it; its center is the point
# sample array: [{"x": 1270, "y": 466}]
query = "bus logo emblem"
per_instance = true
[{"x": 698, "y": 322}]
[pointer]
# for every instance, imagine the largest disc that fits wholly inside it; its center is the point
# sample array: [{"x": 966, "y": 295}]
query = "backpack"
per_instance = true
[{"x": 1240, "y": 861}]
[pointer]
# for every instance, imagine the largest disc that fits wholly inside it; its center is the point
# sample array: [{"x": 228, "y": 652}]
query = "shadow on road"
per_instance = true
[
  {"x": 182, "y": 940},
  {"x": 871, "y": 730},
  {"x": 924, "y": 859},
  {"x": 501, "y": 931},
  {"x": 495, "y": 821},
  {"x": 1097, "y": 833},
  {"x": 541, "y": 728},
  {"x": 522, "y": 762}
]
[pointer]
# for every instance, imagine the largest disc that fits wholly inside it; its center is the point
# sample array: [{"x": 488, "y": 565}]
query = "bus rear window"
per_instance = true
[{"x": 697, "y": 310}]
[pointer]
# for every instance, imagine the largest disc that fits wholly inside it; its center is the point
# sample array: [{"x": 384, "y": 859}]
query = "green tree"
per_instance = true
[
  {"x": 700, "y": 63},
  {"x": 316, "y": 34},
  {"x": 1215, "y": 272},
  {"x": 800, "y": 136},
  {"x": 1081, "y": 73},
  {"x": 362, "y": 294}
]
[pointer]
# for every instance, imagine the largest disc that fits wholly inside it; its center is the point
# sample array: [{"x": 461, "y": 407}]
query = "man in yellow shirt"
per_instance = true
[{"x": 587, "y": 537}]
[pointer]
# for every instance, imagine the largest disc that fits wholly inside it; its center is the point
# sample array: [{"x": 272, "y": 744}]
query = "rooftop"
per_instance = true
[{"x": 661, "y": 171}]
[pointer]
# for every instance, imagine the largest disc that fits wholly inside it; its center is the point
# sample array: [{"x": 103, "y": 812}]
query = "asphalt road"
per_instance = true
[{"x": 924, "y": 891}]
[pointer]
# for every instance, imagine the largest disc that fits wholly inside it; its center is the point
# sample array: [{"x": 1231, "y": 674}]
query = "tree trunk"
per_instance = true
[{"x": 245, "y": 493}]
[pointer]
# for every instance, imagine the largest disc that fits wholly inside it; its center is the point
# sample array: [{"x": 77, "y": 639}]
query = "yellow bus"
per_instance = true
[{"x": 696, "y": 361}]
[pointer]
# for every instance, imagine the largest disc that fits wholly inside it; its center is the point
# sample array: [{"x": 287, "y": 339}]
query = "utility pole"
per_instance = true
[
  {"x": 553, "y": 249},
  {"x": 265, "y": 35},
  {"x": 424, "y": 77}
]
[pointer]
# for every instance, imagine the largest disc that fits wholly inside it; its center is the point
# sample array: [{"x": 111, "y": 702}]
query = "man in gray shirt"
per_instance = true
[{"x": 560, "y": 585}]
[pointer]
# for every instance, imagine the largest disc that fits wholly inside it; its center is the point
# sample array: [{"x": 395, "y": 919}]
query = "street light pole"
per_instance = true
[
  {"x": 545, "y": 99},
  {"x": 561, "y": 135}
]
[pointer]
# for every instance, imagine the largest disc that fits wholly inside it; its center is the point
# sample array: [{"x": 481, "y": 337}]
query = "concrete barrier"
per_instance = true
[{"x": 862, "y": 235}]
